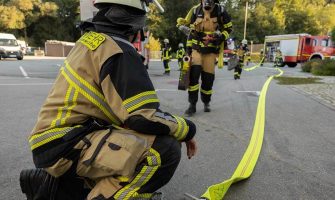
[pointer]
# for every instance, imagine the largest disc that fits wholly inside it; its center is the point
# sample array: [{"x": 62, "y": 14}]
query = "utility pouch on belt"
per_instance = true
[
  {"x": 184, "y": 77},
  {"x": 111, "y": 152}
]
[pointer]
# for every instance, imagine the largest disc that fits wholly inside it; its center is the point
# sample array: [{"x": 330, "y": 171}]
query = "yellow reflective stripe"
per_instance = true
[
  {"x": 206, "y": 92},
  {"x": 230, "y": 24},
  {"x": 74, "y": 104},
  {"x": 139, "y": 100},
  {"x": 40, "y": 139},
  {"x": 225, "y": 33},
  {"x": 83, "y": 81},
  {"x": 56, "y": 121},
  {"x": 100, "y": 103},
  {"x": 193, "y": 88},
  {"x": 247, "y": 164},
  {"x": 209, "y": 32},
  {"x": 147, "y": 171},
  {"x": 182, "y": 129},
  {"x": 123, "y": 178},
  {"x": 196, "y": 42},
  {"x": 141, "y": 196}
]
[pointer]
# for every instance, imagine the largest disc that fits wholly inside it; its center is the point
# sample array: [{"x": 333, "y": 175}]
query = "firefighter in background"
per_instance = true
[
  {"x": 278, "y": 58},
  {"x": 101, "y": 133},
  {"x": 262, "y": 56},
  {"x": 210, "y": 26},
  {"x": 241, "y": 52},
  {"x": 166, "y": 56},
  {"x": 180, "y": 55}
]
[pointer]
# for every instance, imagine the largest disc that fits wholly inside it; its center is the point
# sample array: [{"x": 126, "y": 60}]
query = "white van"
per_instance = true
[{"x": 9, "y": 48}]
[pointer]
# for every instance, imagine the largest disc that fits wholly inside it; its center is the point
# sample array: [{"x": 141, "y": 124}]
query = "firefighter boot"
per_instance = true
[
  {"x": 207, "y": 107},
  {"x": 191, "y": 109},
  {"x": 37, "y": 184}
]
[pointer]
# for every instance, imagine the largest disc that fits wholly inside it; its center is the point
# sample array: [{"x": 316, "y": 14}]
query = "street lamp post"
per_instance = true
[{"x": 245, "y": 20}]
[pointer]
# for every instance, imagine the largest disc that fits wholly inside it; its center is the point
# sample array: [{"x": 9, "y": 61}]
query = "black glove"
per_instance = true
[
  {"x": 219, "y": 37},
  {"x": 188, "y": 51}
]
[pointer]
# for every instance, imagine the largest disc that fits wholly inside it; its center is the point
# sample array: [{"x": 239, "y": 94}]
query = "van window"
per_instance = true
[
  {"x": 8, "y": 42},
  {"x": 324, "y": 42},
  {"x": 308, "y": 42},
  {"x": 315, "y": 42}
]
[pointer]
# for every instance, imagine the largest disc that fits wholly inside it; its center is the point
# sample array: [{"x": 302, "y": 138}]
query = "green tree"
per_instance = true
[
  {"x": 11, "y": 18},
  {"x": 164, "y": 25},
  {"x": 332, "y": 35}
]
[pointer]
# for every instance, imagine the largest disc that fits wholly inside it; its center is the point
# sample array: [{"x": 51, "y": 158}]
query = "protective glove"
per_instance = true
[
  {"x": 219, "y": 37},
  {"x": 188, "y": 51}
]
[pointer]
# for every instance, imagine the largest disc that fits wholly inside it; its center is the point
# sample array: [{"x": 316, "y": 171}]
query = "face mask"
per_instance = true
[
  {"x": 208, "y": 4},
  {"x": 122, "y": 17}
]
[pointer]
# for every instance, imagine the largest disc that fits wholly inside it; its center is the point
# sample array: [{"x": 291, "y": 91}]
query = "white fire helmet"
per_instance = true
[{"x": 139, "y": 4}]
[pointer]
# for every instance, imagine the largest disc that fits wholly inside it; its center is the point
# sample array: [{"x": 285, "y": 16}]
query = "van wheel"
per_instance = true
[
  {"x": 291, "y": 64},
  {"x": 20, "y": 57}
]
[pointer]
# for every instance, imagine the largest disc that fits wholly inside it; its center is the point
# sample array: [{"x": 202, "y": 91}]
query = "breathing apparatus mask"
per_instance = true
[
  {"x": 123, "y": 17},
  {"x": 208, "y": 4}
]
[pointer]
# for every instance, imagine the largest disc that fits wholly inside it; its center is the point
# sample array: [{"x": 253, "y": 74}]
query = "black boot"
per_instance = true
[
  {"x": 37, "y": 184},
  {"x": 191, "y": 110},
  {"x": 207, "y": 107}
]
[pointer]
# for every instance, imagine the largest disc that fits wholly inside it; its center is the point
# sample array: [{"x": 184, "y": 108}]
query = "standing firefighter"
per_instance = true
[
  {"x": 100, "y": 133},
  {"x": 210, "y": 26},
  {"x": 166, "y": 56},
  {"x": 241, "y": 52},
  {"x": 180, "y": 55}
]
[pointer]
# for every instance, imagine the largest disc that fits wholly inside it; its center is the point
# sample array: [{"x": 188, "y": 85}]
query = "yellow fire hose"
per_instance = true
[{"x": 250, "y": 157}]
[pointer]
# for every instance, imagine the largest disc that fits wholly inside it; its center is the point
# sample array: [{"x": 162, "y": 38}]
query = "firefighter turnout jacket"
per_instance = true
[
  {"x": 103, "y": 80},
  {"x": 166, "y": 53},
  {"x": 180, "y": 53},
  {"x": 204, "y": 25}
]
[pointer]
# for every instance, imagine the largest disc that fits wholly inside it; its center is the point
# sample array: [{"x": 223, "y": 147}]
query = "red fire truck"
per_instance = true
[{"x": 298, "y": 48}]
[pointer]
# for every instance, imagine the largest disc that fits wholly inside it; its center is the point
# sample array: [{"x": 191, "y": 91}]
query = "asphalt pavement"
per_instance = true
[{"x": 297, "y": 160}]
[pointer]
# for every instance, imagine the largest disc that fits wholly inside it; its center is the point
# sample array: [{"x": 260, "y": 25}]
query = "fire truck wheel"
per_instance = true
[{"x": 291, "y": 64}]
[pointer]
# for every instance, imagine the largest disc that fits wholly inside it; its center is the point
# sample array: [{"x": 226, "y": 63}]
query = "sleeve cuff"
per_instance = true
[{"x": 192, "y": 129}]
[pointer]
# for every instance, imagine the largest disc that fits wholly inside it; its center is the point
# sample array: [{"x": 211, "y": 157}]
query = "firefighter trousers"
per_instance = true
[
  {"x": 238, "y": 71},
  {"x": 180, "y": 63},
  {"x": 110, "y": 167},
  {"x": 203, "y": 65},
  {"x": 166, "y": 66}
]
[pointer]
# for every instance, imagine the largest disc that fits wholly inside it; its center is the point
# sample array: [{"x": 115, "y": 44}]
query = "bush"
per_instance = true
[
  {"x": 307, "y": 66},
  {"x": 325, "y": 68}
]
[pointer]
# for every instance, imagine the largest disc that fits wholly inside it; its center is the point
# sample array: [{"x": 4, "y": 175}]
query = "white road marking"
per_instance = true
[
  {"x": 254, "y": 92},
  {"x": 24, "y": 72}
]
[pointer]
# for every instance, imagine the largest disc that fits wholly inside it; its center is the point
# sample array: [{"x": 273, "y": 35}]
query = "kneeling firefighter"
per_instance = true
[
  {"x": 210, "y": 26},
  {"x": 100, "y": 133},
  {"x": 241, "y": 52}
]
